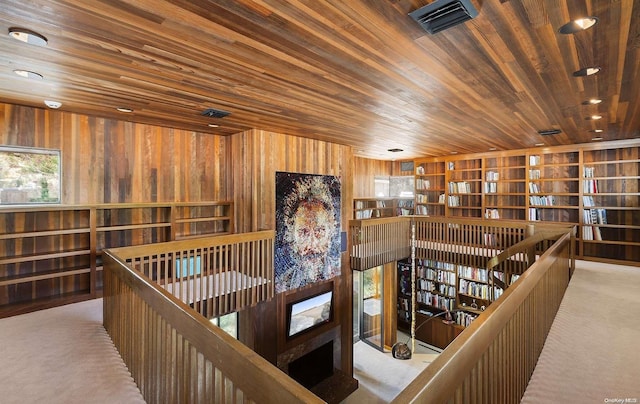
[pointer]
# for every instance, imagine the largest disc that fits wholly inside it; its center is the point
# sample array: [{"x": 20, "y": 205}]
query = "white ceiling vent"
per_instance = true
[{"x": 443, "y": 14}]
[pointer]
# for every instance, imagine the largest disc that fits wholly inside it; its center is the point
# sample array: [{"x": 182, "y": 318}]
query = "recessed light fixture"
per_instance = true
[
  {"x": 125, "y": 110},
  {"x": 549, "y": 132},
  {"x": 595, "y": 117},
  {"x": 28, "y": 74},
  {"x": 592, "y": 101},
  {"x": 27, "y": 36},
  {"x": 395, "y": 150},
  {"x": 578, "y": 25},
  {"x": 493, "y": 148},
  {"x": 212, "y": 125},
  {"x": 595, "y": 139},
  {"x": 52, "y": 104},
  {"x": 454, "y": 152},
  {"x": 539, "y": 144},
  {"x": 587, "y": 71},
  {"x": 597, "y": 131}
]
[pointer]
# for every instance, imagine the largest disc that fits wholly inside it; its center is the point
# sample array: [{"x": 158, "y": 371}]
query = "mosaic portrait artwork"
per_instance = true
[{"x": 307, "y": 229}]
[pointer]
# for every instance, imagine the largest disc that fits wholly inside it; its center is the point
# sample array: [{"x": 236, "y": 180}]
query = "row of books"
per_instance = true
[
  {"x": 534, "y": 174},
  {"x": 590, "y": 186},
  {"x": 366, "y": 214},
  {"x": 461, "y": 187},
  {"x": 492, "y": 176},
  {"x": 464, "y": 319},
  {"x": 422, "y": 198},
  {"x": 490, "y": 187},
  {"x": 422, "y": 210},
  {"x": 435, "y": 300},
  {"x": 423, "y": 184},
  {"x": 479, "y": 274},
  {"x": 534, "y": 160},
  {"x": 589, "y": 172},
  {"x": 534, "y": 214},
  {"x": 536, "y": 200},
  {"x": 491, "y": 214},
  {"x": 479, "y": 290},
  {"x": 534, "y": 188}
]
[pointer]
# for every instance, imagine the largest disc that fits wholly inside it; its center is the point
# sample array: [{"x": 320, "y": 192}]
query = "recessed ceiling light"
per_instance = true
[
  {"x": 539, "y": 144},
  {"x": 595, "y": 117},
  {"x": 125, "y": 110},
  {"x": 597, "y": 131},
  {"x": 587, "y": 71},
  {"x": 27, "y": 36},
  {"x": 28, "y": 74},
  {"x": 212, "y": 125},
  {"x": 549, "y": 132},
  {"x": 578, "y": 25},
  {"x": 395, "y": 150},
  {"x": 454, "y": 152},
  {"x": 595, "y": 139},
  {"x": 493, "y": 148},
  {"x": 52, "y": 104},
  {"x": 592, "y": 101}
]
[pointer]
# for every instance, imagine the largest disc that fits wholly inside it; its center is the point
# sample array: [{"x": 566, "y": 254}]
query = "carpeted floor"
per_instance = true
[
  {"x": 62, "y": 356},
  {"x": 592, "y": 353},
  {"x": 380, "y": 376}
]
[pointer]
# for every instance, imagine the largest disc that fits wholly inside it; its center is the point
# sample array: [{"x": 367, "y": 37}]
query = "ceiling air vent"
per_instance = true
[
  {"x": 215, "y": 113},
  {"x": 549, "y": 132},
  {"x": 443, "y": 14}
]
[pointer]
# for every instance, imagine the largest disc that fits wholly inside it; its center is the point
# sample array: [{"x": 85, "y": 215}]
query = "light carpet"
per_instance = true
[
  {"x": 592, "y": 353},
  {"x": 380, "y": 376},
  {"x": 62, "y": 355}
]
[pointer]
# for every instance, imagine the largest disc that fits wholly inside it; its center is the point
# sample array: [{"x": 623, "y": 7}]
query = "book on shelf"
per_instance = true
[
  {"x": 422, "y": 210},
  {"x": 534, "y": 214},
  {"x": 589, "y": 172},
  {"x": 364, "y": 214},
  {"x": 492, "y": 214},
  {"x": 423, "y": 184},
  {"x": 454, "y": 200},
  {"x": 534, "y": 174},
  {"x": 441, "y": 198},
  {"x": 492, "y": 176},
  {"x": 534, "y": 188},
  {"x": 490, "y": 187},
  {"x": 590, "y": 186},
  {"x": 548, "y": 200},
  {"x": 461, "y": 187},
  {"x": 534, "y": 160}
]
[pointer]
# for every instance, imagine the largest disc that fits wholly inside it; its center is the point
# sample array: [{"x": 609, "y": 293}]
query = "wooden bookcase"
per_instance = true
[
  {"x": 610, "y": 225},
  {"x": 372, "y": 208},
  {"x": 430, "y": 188},
  {"x": 464, "y": 187},
  {"x": 504, "y": 187},
  {"x": 52, "y": 254},
  {"x": 551, "y": 184}
]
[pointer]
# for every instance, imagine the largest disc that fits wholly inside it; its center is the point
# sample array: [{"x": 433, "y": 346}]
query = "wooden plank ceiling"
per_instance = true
[{"x": 357, "y": 72}]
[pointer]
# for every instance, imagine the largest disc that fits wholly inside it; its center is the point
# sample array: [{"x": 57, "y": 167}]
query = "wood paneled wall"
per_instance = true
[
  {"x": 364, "y": 172},
  {"x": 257, "y": 156},
  {"x": 112, "y": 161}
]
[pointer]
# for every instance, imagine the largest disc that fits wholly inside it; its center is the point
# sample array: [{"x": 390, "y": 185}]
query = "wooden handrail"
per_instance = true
[
  {"x": 176, "y": 355},
  {"x": 492, "y": 359}
]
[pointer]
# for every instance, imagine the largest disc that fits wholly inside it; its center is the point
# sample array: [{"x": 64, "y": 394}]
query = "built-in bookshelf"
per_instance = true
[
  {"x": 52, "y": 254},
  {"x": 442, "y": 286},
  {"x": 430, "y": 188},
  {"x": 595, "y": 186},
  {"x": 554, "y": 187},
  {"x": 504, "y": 187},
  {"x": 368, "y": 208},
  {"x": 611, "y": 203},
  {"x": 405, "y": 206},
  {"x": 464, "y": 187}
]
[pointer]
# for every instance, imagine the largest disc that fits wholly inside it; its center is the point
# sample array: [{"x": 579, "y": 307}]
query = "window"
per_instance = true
[
  {"x": 228, "y": 323},
  {"x": 29, "y": 175}
]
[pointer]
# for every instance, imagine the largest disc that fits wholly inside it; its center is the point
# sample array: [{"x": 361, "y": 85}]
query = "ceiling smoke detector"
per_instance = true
[{"x": 214, "y": 113}]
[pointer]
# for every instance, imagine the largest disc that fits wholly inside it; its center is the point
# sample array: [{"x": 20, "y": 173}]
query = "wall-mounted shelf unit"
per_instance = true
[
  {"x": 595, "y": 186},
  {"x": 51, "y": 255}
]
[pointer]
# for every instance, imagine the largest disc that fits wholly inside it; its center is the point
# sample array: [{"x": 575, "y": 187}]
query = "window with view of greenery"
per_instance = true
[{"x": 29, "y": 175}]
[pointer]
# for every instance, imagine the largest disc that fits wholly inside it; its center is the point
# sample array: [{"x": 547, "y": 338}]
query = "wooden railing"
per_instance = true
[
  {"x": 214, "y": 275},
  {"x": 376, "y": 242},
  {"x": 175, "y": 354},
  {"x": 492, "y": 360}
]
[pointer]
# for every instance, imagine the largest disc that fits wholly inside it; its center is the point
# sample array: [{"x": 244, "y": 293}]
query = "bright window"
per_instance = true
[
  {"x": 228, "y": 323},
  {"x": 29, "y": 176}
]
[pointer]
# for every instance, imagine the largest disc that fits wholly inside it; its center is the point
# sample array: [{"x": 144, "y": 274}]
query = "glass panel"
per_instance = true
[
  {"x": 372, "y": 321},
  {"x": 228, "y": 323}
]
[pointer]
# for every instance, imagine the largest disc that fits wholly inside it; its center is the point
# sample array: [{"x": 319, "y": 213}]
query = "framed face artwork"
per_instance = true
[{"x": 307, "y": 229}]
